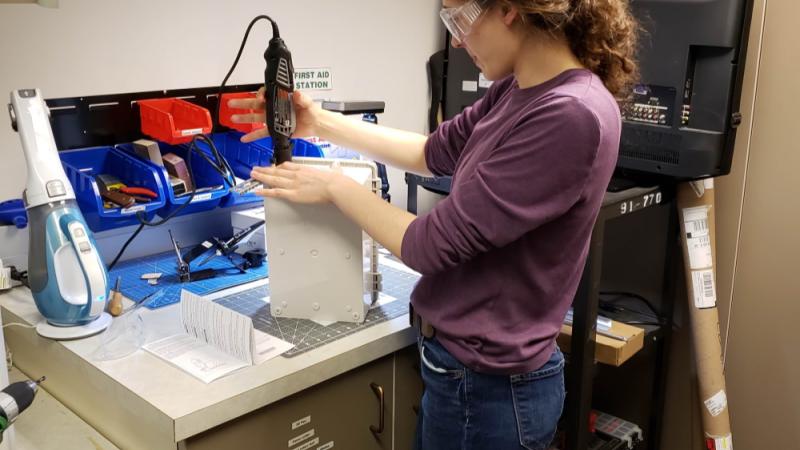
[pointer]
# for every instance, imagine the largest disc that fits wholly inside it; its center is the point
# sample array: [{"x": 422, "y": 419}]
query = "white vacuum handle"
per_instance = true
[{"x": 47, "y": 181}]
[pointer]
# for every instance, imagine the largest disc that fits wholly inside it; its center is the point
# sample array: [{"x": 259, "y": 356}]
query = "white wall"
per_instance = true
[{"x": 377, "y": 50}]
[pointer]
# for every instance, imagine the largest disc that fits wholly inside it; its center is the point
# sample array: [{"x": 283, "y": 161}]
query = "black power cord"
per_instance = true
[
  {"x": 610, "y": 306},
  {"x": 275, "y": 34},
  {"x": 619, "y": 295},
  {"x": 221, "y": 165},
  {"x": 19, "y": 276}
]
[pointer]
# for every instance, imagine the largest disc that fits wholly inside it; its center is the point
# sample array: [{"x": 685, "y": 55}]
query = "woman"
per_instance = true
[{"x": 502, "y": 255}]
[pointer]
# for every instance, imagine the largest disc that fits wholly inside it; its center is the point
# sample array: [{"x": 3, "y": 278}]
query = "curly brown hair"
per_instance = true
[{"x": 603, "y": 34}]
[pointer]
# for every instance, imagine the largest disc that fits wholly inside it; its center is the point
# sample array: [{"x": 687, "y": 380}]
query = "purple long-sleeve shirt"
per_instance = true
[{"x": 502, "y": 255}]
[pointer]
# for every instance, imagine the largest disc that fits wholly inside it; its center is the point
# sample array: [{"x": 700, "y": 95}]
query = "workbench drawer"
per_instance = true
[
  {"x": 408, "y": 397},
  {"x": 342, "y": 413}
]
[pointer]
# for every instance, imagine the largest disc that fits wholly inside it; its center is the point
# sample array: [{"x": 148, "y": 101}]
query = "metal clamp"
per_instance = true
[{"x": 377, "y": 281}]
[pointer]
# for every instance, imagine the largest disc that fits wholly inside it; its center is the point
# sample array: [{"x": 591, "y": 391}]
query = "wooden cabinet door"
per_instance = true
[
  {"x": 343, "y": 413},
  {"x": 408, "y": 395}
]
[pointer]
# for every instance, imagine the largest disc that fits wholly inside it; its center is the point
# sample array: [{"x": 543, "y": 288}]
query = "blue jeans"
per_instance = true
[{"x": 465, "y": 410}]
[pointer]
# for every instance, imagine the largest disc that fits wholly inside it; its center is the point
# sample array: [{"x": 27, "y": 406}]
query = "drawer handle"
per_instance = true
[{"x": 378, "y": 390}]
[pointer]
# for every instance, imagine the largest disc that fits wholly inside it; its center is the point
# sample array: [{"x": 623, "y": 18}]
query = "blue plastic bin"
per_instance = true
[
  {"x": 81, "y": 167},
  {"x": 204, "y": 176},
  {"x": 244, "y": 156},
  {"x": 12, "y": 212}
]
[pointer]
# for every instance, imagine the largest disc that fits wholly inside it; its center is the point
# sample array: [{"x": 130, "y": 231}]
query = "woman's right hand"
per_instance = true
[{"x": 306, "y": 112}]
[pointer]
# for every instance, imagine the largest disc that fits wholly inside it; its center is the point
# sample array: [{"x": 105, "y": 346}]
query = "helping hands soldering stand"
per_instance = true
[
  {"x": 216, "y": 247},
  {"x": 185, "y": 275},
  {"x": 226, "y": 247}
]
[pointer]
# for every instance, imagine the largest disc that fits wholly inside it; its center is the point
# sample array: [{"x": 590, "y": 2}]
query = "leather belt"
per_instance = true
[{"x": 425, "y": 328}]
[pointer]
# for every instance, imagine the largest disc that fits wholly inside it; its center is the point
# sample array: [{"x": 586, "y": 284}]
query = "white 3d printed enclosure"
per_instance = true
[{"x": 322, "y": 266}]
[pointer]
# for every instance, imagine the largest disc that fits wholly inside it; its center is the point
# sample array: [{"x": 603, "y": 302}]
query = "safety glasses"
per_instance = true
[{"x": 459, "y": 19}]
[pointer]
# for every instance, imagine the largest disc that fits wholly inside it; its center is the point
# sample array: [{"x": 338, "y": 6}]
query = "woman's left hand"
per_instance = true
[{"x": 297, "y": 183}]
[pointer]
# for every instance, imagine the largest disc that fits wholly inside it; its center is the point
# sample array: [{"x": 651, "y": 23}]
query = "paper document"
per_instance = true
[{"x": 216, "y": 340}]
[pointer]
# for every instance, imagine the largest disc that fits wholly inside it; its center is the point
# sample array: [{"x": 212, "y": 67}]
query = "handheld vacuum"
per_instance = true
[{"x": 66, "y": 276}]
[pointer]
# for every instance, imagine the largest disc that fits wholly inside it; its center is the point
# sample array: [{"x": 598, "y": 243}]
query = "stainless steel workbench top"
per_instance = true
[{"x": 141, "y": 401}]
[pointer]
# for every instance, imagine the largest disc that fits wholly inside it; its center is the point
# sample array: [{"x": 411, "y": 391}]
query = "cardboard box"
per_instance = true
[{"x": 608, "y": 350}]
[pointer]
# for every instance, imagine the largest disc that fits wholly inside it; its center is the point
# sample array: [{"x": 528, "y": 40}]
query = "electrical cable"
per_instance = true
[
  {"x": 613, "y": 313},
  {"x": 620, "y": 295},
  {"x": 612, "y": 307},
  {"x": 125, "y": 246},
  {"x": 641, "y": 322},
  {"x": 221, "y": 165},
  {"x": 21, "y": 277},
  {"x": 18, "y": 324},
  {"x": 275, "y": 34},
  {"x": 609, "y": 306}
]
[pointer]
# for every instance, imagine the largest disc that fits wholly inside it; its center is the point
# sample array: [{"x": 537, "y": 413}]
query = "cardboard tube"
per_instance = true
[{"x": 696, "y": 212}]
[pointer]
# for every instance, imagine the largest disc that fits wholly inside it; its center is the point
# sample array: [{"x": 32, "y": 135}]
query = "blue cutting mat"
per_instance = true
[
  {"x": 307, "y": 335},
  {"x": 134, "y": 288}
]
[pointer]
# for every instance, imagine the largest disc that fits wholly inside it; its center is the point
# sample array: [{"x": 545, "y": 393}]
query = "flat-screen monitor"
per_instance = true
[{"x": 682, "y": 116}]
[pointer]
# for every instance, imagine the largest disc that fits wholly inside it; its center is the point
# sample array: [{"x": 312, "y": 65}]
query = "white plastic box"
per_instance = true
[{"x": 322, "y": 266}]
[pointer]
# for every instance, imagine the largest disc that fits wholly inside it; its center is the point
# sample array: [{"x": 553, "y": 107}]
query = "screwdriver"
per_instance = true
[{"x": 115, "y": 305}]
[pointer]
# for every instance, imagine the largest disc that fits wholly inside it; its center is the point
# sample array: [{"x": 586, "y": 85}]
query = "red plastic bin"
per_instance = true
[
  {"x": 172, "y": 120},
  {"x": 225, "y": 112}
]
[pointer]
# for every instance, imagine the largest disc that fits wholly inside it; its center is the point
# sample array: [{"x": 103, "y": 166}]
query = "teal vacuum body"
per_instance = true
[
  {"x": 66, "y": 276},
  {"x": 68, "y": 280}
]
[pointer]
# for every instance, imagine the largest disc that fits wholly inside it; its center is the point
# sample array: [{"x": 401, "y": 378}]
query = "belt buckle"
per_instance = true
[{"x": 426, "y": 329}]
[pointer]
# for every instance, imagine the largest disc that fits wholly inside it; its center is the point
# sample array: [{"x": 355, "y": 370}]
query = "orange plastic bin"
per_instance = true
[
  {"x": 225, "y": 112},
  {"x": 172, "y": 120}
]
